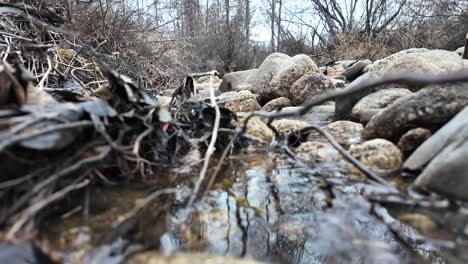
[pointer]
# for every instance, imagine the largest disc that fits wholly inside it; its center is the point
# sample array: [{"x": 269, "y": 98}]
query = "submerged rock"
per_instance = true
[
  {"x": 345, "y": 132},
  {"x": 256, "y": 129},
  {"x": 194, "y": 258},
  {"x": 372, "y": 104},
  {"x": 276, "y": 104},
  {"x": 429, "y": 108},
  {"x": 412, "y": 139},
  {"x": 443, "y": 160},
  {"x": 288, "y": 125},
  {"x": 318, "y": 151}
]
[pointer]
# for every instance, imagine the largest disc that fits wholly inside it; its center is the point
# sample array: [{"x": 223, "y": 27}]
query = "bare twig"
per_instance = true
[
  {"x": 41, "y": 83},
  {"x": 211, "y": 147}
]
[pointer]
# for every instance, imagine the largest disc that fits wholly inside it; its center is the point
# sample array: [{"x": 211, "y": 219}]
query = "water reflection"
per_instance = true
[{"x": 280, "y": 214}]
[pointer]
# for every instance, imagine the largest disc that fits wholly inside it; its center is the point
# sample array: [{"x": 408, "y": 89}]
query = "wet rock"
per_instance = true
[
  {"x": 429, "y": 108},
  {"x": 256, "y": 129},
  {"x": 242, "y": 101},
  {"x": 318, "y": 151},
  {"x": 287, "y": 125},
  {"x": 379, "y": 155},
  {"x": 282, "y": 82},
  {"x": 412, "y": 139},
  {"x": 355, "y": 69},
  {"x": 345, "y": 132},
  {"x": 272, "y": 66},
  {"x": 372, "y": 104},
  {"x": 419, "y": 221},
  {"x": 309, "y": 86},
  {"x": 276, "y": 104},
  {"x": 233, "y": 80},
  {"x": 442, "y": 159}
]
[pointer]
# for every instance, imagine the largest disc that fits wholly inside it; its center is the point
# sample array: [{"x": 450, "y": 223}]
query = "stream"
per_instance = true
[{"x": 264, "y": 207}]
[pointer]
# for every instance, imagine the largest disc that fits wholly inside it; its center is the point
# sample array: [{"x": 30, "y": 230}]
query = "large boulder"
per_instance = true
[
  {"x": 282, "y": 82},
  {"x": 429, "y": 108},
  {"x": 442, "y": 159},
  {"x": 413, "y": 60},
  {"x": 381, "y": 64},
  {"x": 235, "y": 81},
  {"x": 372, "y": 104},
  {"x": 432, "y": 61},
  {"x": 272, "y": 66},
  {"x": 308, "y": 86}
]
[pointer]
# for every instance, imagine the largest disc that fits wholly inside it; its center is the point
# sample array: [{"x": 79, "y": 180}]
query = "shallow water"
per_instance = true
[{"x": 271, "y": 209}]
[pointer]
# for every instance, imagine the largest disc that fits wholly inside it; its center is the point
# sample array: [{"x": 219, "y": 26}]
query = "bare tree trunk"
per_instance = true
[
  {"x": 228, "y": 13},
  {"x": 278, "y": 31},
  {"x": 273, "y": 16},
  {"x": 247, "y": 26}
]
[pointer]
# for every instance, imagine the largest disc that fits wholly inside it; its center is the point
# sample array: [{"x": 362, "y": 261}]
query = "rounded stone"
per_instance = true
[
  {"x": 412, "y": 139},
  {"x": 276, "y": 104},
  {"x": 379, "y": 155}
]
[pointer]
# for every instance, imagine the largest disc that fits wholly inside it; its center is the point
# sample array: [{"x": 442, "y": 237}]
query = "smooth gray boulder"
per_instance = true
[
  {"x": 443, "y": 160},
  {"x": 234, "y": 81},
  {"x": 281, "y": 83},
  {"x": 271, "y": 67}
]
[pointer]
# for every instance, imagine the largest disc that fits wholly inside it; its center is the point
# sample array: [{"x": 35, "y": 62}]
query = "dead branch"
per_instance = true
[{"x": 211, "y": 147}]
